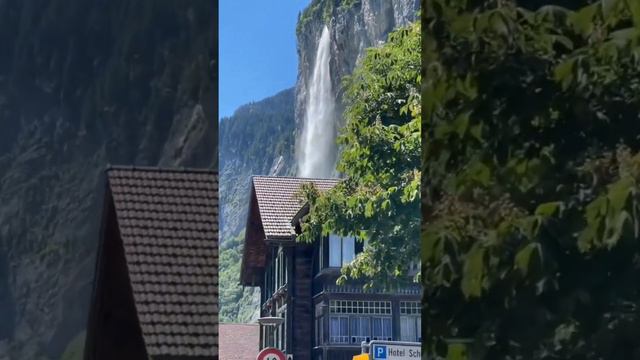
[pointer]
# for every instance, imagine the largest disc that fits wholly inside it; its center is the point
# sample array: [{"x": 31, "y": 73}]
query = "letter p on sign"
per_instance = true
[{"x": 380, "y": 352}]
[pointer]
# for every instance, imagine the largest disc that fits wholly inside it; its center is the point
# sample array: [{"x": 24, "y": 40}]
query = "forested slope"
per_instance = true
[{"x": 256, "y": 140}]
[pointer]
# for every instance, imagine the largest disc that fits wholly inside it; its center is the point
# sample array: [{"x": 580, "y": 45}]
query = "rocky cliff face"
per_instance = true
[
  {"x": 84, "y": 84},
  {"x": 257, "y": 140},
  {"x": 354, "y": 25},
  {"x": 260, "y": 137}
]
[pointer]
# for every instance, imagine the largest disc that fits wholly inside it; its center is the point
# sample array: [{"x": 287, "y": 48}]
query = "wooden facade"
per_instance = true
[{"x": 322, "y": 320}]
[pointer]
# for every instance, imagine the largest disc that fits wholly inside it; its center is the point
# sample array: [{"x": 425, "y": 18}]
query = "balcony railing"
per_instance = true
[{"x": 356, "y": 289}]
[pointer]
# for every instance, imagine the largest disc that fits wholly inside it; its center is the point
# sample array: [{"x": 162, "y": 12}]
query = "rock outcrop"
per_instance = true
[
  {"x": 256, "y": 140},
  {"x": 84, "y": 84},
  {"x": 260, "y": 138},
  {"x": 354, "y": 25}
]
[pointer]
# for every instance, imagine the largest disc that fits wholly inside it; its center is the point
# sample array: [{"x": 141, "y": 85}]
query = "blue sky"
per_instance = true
[{"x": 257, "y": 50}]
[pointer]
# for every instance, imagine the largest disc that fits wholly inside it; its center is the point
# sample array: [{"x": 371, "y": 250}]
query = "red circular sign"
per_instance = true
[{"x": 271, "y": 354}]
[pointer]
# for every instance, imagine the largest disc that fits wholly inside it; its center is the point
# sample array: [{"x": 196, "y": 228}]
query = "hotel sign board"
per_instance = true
[{"x": 394, "y": 350}]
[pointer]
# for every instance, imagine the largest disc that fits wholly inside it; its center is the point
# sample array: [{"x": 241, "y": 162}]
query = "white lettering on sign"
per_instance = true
[{"x": 395, "y": 352}]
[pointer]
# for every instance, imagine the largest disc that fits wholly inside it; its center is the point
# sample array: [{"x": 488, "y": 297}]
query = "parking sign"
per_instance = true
[
  {"x": 380, "y": 352},
  {"x": 394, "y": 350}
]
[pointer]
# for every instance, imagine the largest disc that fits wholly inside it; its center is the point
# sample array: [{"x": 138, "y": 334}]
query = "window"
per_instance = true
[
  {"x": 365, "y": 321},
  {"x": 360, "y": 307},
  {"x": 410, "y": 329},
  {"x": 275, "y": 274},
  {"x": 282, "y": 329},
  {"x": 335, "y": 252},
  {"x": 281, "y": 269},
  {"x": 268, "y": 283},
  {"x": 410, "y": 321},
  {"x": 410, "y": 308},
  {"x": 381, "y": 328},
  {"x": 322, "y": 261},
  {"x": 339, "y": 330},
  {"x": 414, "y": 267},
  {"x": 360, "y": 329},
  {"x": 348, "y": 250},
  {"x": 341, "y": 250},
  {"x": 319, "y": 339},
  {"x": 268, "y": 336}
]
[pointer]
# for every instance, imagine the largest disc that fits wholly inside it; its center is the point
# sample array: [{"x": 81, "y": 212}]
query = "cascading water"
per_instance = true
[{"x": 316, "y": 157}]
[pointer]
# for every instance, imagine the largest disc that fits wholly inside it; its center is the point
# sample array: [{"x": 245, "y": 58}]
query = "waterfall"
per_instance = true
[{"x": 316, "y": 156}]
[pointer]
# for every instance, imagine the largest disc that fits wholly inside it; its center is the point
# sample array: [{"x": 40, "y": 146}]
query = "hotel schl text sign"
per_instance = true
[{"x": 394, "y": 350}]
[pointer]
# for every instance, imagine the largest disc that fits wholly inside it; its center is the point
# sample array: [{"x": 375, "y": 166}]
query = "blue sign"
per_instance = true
[
  {"x": 394, "y": 350},
  {"x": 380, "y": 352}
]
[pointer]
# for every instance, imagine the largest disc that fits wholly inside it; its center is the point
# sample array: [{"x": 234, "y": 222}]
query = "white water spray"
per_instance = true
[{"x": 316, "y": 156}]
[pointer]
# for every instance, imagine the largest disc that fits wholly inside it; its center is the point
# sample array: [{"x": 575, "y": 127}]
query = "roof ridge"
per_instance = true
[
  {"x": 161, "y": 169},
  {"x": 294, "y": 177}
]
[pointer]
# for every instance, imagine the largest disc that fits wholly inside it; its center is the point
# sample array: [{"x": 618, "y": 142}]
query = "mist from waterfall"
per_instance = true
[{"x": 316, "y": 155}]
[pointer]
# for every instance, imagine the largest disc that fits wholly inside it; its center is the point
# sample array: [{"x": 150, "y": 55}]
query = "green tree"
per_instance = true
[
  {"x": 239, "y": 304},
  {"x": 380, "y": 156},
  {"x": 531, "y": 170}
]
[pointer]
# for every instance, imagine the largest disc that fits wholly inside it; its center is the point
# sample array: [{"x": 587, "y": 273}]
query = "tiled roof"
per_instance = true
[
  {"x": 239, "y": 341},
  {"x": 278, "y": 203},
  {"x": 168, "y": 221}
]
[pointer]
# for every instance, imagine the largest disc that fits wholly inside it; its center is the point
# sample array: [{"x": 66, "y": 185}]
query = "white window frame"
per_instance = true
[
  {"x": 362, "y": 335},
  {"x": 342, "y": 338},
  {"x": 362, "y": 309},
  {"x": 410, "y": 311},
  {"x": 385, "y": 335}
]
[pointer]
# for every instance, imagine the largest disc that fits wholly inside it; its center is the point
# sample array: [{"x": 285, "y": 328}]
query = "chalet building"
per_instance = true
[
  {"x": 156, "y": 279},
  {"x": 303, "y": 312}
]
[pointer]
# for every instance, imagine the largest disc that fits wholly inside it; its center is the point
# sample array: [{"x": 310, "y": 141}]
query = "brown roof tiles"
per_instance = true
[
  {"x": 278, "y": 201},
  {"x": 168, "y": 221},
  {"x": 273, "y": 205}
]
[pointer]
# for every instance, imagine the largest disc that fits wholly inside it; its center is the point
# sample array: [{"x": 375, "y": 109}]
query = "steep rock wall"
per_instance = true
[
  {"x": 84, "y": 84},
  {"x": 256, "y": 140},
  {"x": 354, "y": 25}
]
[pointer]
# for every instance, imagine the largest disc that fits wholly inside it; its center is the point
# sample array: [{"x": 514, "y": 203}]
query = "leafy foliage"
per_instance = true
[
  {"x": 530, "y": 189},
  {"x": 379, "y": 200},
  {"x": 238, "y": 303}
]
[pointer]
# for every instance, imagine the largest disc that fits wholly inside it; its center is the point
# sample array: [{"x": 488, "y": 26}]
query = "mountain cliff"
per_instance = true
[
  {"x": 354, "y": 26},
  {"x": 261, "y": 137},
  {"x": 84, "y": 84},
  {"x": 257, "y": 140}
]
